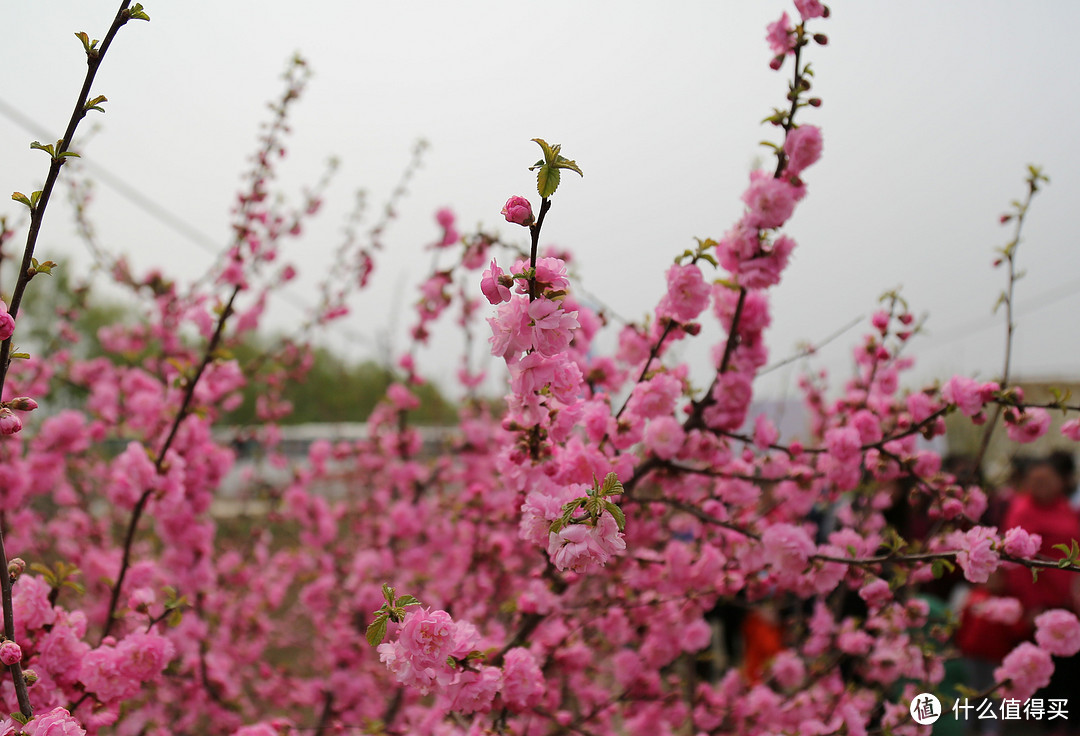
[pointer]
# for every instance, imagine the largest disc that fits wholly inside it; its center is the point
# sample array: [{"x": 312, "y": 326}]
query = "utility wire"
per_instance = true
[
  {"x": 158, "y": 212},
  {"x": 980, "y": 324}
]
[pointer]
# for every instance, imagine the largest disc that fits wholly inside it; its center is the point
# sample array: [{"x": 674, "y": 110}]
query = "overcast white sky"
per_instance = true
[{"x": 932, "y": 111}]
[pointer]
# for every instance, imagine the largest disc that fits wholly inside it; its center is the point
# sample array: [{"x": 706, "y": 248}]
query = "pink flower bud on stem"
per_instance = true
[{"x": 518, "y": 210}]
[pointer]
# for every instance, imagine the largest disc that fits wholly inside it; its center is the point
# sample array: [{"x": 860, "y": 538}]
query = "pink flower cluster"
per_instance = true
[
  {"x": 578, "y": 546},
  {"x": 432, "y": 654}
]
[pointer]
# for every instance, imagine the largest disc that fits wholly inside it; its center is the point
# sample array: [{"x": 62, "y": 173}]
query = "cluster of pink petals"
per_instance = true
[{"x": 578, "y": 547}]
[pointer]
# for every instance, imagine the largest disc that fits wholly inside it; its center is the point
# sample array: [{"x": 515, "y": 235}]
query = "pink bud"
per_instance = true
[
  {"x": 9, "y": 422},
  {"x": 518, "y": 210},
  {"x": 23, "y": 403},
  {"x": 7, "y": 325},
  {"x": 10, "y": 653}
]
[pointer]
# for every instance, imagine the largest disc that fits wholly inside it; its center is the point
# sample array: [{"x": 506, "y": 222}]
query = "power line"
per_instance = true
[
  {"x": 159, "y": 212},
  {"x": 980, "y": 324}
]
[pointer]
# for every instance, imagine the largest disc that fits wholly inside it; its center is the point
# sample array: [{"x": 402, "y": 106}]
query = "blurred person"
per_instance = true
[
  {"x": 1041, "y": 507},
  {"x": 985, "y": 635}
]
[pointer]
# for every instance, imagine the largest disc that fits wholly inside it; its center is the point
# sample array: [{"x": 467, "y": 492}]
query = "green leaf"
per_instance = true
[
  {"x": 617, "y": 513},
  {"x": 88, "y": 45},
  {"x": 35, "y": 197},
  {"x": 175, "y": 617},
  {"x": 388, "y": 593},
  {"x": 94, "y": 103},
  {"x": 45, "y": 572},
  {"x": 565, "y": 163},
  {"x": 46, "y": 147},
  {"x": 75, "y": 585},
  {"x": 407, "y": 600},
  {"x": 136, "y": 13},
  {"x": 376, "y": 631},
  {"x": 20, "y": 197},
  {"x": 549, "y": 152},
  {"x": 547, "y": 181},
  {"x": 611, "y": 486},
  {"x": 18, "y": 716}
]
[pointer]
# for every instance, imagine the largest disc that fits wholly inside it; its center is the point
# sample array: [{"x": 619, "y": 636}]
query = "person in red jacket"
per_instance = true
[{"x": 1042, "y": 508}]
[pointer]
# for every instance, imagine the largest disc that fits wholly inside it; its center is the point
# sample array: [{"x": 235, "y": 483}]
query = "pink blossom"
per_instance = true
[
  {"x": 803, "y": 149},
  {"x": 787, "y": 548},
  {"x": 876, "y": 593},
  {"x": 570, "y": 548},
  {"x": 1001, "y": 610},
  {"x": 518, "y": 210},
  {"x": 511, "y": 335},
  {"x": 687, "y": 294},
  {"x": 664, "y": 437},
  {"x": 607, "y": 537},
  {"x": 1071, "y": 429},
  {"x": 474, "y": 691},
  {"x": 1058, "y": 632},
  {"x": 31, "y": 603},
  {"x": 811, "y": 9},
  {"x": 965, "y": 393},
  {"x": 552, "y": 327},
  {"x": 1027, "y": 426},
  {"x": 10, "y": 653},
  {"x": 445, "y": 218},
  {"x": 868, "y": 425},
  {"x": 977, "y": 557},
  {"x": 523, "y": 681},
  {"x": 100, "y": 674},
  {"x": 576, "y": 546},
  {"x": 57, "y": 722},
  {"x": 550, "y": 274},
  {"x": 142, "y": 656},
  {"x": 732, "y": 397},
  {"x": 655, "y": 397},
  {"x": 427, "y": 637},
  {"x": 765, "y": 432},
  {"x": 770, "y": 201},
  {"x": 843, "y": 443},
  {"x": 781, "y": 36},
  {"x": 1020, "y": 543},
  {"x": 789, "y": 669},
  {"x": 492, "y": 285},
  {"x": 1028, "y": 669},
  {"x": 764, "y": 271},
  {"x": 755, "y": 315},
  {"x": 695, "y": 635}
]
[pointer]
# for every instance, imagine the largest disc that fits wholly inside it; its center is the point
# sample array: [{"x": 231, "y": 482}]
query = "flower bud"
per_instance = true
[
  {"x": 16, "y": 566},
  {"x": 821, "y": 39},
  {"x": 10, "y": 653},
  {"x": 7, "y": 324},
  {"x": 23, "y": 403},
  {"x": 9, "y": 422},
  {"x": 29, "y": 676},
  {"x": 518, "y": 210}
]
